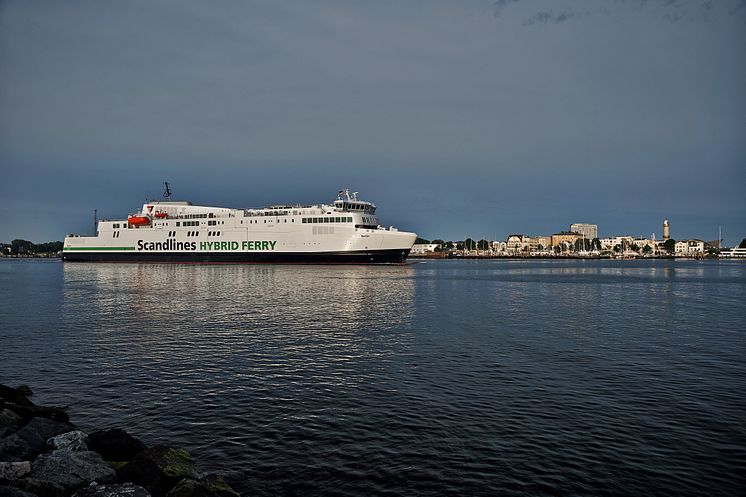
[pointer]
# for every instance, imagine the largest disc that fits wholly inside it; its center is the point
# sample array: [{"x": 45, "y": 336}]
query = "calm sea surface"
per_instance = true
[{"x": 435, "y": 378}]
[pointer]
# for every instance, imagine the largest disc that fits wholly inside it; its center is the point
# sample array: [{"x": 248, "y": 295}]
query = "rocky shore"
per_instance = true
[{"x": 43, "y": 454}]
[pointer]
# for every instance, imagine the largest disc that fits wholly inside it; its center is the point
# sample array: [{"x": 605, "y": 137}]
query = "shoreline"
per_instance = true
[{"x": 43, "y": 454}]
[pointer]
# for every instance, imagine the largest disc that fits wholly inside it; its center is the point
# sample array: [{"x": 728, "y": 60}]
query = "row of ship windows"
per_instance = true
[
  {"x": 330, "y": 219},
  {"x": 305, "y": 220}
]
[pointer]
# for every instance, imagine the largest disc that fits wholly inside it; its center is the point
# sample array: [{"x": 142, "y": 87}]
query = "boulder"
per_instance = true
[
  {"x": 14, "y": 492},
  {"x": 159, "y": 469},
  {"x": 24, "y": 390},
  {"x": 120, "y": 490},
  {"x": 72, "y": 469},
  {"x": 40, "y": 487},
  {"x": 14, "y": 470},
  {"x": 72, "y": 440},
  {"x": 5, "y": 431},
  {"x": 46, "y": 428},
  {"x": 115, "y": 444},
  {"x": 31, "y": 411},
  {"x": 29, "y": 441},
  {"x": 14, "y": 395},
  {"x": 9, "y": 418},
  {"x": 210, "y": 486}
]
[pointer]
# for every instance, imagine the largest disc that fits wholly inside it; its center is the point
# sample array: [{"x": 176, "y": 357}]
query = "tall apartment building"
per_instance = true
[{"x": 589, "y": 231}]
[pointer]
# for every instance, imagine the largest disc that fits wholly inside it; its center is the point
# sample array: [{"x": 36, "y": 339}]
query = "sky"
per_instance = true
[{"x": 456, "y": 118}]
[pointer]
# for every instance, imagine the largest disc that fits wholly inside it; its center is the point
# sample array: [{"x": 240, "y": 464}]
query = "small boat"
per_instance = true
[{"x": 136, "y": 220}]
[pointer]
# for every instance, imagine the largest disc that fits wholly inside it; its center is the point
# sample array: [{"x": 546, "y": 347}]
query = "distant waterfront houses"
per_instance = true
[{"x": 690, "y": 248}]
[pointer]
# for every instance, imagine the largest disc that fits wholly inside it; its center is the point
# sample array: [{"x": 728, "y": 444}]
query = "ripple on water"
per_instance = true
[{"x": 448, "y": 377}]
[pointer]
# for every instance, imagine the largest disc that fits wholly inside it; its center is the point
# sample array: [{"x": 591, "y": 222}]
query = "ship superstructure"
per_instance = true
[{"x": 346, "y": 231}]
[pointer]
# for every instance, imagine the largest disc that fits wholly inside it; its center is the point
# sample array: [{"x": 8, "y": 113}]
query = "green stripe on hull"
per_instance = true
[{"x": 96, "y": 249}]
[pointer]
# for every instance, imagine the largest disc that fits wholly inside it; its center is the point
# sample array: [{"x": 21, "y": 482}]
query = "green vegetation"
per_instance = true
[
  {"x": 25, "y": 247},
  {"x": 670, "y": 245}
]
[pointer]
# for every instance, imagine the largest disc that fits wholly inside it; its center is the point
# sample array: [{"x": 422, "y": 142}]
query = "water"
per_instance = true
[{"x": 436, "y": 378}]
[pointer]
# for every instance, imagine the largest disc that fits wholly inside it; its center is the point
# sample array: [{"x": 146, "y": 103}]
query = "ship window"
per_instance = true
[{"x": 178, "y": 223}]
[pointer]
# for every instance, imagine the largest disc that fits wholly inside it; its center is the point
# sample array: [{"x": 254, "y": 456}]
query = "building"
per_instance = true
[
  {"x": 499, "y": 247},
  {"x": 567, "y": 238},
  {"x": 666, "y": 230},
  {"x": 516, "y": 243},
  {"x": 424, "y": 248},
  {"x": 589, "y": 231},
  {"x": 689, "y": 248},
  {"x": 610, "y": 242}
]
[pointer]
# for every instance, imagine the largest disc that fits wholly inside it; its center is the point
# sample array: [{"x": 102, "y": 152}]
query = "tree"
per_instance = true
[
  {"x": 595, "y": 244},
  {"x": 438, "y": 241},
  {"x": 449, "y": 245},
  {"x": 19, "y": 246},
  {"x": 470, "y": 244},
  {"x": 617, "y": 248},
  {"x": 670, "y": 245},
  {"x": 483, "y": 244},
  {"x": 646, "y": 249},
  {"x": 634, "y": 247},
  {"x": 421, "y": 241}
]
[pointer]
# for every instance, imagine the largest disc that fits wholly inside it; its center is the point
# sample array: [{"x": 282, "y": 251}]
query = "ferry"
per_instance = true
[
  {"x": 347, "y": 231},
  {"x": 736, "y": 252}
]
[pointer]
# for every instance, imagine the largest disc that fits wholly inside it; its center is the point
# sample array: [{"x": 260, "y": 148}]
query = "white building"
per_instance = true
[
  {"x": 424, "y": 248},
  {"x": 687, "y": 248},
  {"x": 610, "y": 242},
  {"x": 589, "y": 231}
]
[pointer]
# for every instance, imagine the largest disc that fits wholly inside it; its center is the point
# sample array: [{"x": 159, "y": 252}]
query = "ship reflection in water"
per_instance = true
[{"x": 244, "y": 315}]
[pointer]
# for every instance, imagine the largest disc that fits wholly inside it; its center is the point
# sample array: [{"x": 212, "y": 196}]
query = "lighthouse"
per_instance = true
[{"x": 666, "y": 233}]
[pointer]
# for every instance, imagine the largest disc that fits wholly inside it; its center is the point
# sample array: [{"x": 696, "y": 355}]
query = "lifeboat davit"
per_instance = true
[
  {"x": 161, "y": 215},
  {"x": 138, "y": 220}
]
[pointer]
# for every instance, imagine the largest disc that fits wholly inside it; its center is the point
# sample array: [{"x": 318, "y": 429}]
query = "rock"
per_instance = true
[
  {"x": 29, "y": 441},
  {"x": 24, "y": 390},
  {"x": 14, "y": 492},
  {"x": 211, "y": 486},
  {"x": 5, "y": 431},
  {"x": 121, "y": 490},
  {"x": 14, "y": 395},
  {"x": 72, "y": 440},
  {"x": 40, "y": 487},
  {"x": 46, "y": 428},
  {"x": 31, "y": 411},
  {"x": 159, "y": 469},
  {"x": 115, "y": 444},
  {"x": 72, "y": 469},
  {"x": 9, "y": 418},
  {"x": 14, "y": 470}
]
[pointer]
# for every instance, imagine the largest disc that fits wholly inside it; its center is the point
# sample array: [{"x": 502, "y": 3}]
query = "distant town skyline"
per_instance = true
[{"x": 473, "y": 118}]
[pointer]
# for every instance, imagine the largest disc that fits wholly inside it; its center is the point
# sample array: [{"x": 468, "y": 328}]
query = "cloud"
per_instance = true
[
  {"x": 538, "y": 12},
  {"x": 550, "y": 18},
  {"x": 500, "y": 5}
]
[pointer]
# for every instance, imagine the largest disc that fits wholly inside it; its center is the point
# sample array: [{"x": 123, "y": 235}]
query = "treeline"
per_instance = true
[
  {"x": 23, "y": 247},
  {"x": 459, "y": 245}
]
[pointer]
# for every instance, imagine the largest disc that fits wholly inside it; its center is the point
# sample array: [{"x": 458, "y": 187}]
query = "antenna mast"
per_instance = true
[{"x": 167, "y": 191}]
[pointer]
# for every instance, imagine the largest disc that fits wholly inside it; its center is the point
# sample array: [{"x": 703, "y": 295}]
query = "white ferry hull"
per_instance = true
[{"x": 389, "y": 256}]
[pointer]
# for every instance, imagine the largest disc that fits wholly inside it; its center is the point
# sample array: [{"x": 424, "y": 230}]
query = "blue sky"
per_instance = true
[{"x": 469, "y": 118}]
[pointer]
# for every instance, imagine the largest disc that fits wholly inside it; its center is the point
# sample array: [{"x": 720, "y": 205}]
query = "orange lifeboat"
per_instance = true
[
  {"x": 161, "y": 215},
  {"x": 136, "y": 220}
]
